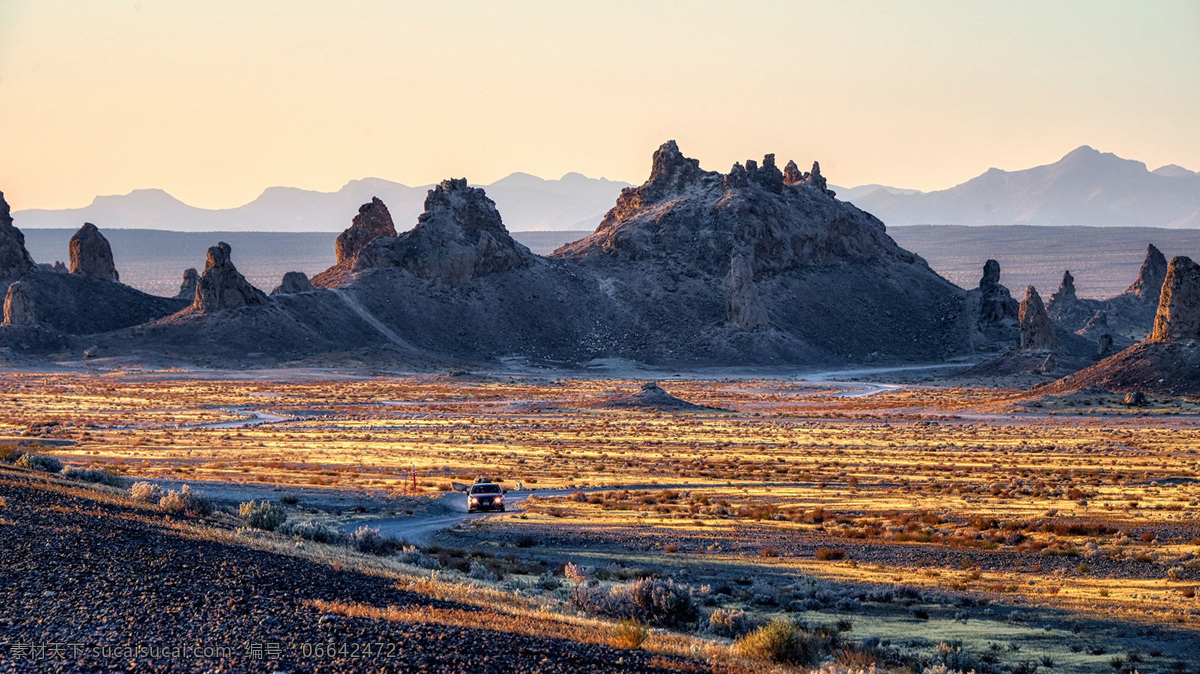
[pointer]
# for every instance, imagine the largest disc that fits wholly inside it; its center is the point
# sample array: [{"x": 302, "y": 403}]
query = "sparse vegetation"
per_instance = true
[{"x": 262, "y": 515}]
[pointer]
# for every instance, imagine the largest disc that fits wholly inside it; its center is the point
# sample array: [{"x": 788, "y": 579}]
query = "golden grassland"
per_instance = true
[{"x": 1079, "y": 503}]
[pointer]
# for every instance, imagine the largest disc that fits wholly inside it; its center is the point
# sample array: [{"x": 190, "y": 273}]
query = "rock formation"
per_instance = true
[
  {"x": 14, "y": 258},
  {"x": 293, "y": 282},
  {"x": 1065, "y": 295},
  {"x": 743, "y": 307},
  {"x": 91, "y": 255},
  {"x": 460, "y": 236},
  {"x": 1037, "y": 330},
  {"x": 1104, "y": 346},
  {"x": 221, "y": 286},
  {"x": 187, "y": 289},
  {"x": 996, "y": 304},
  {"x": 1178, "y": 315},
  {"x": 1149, "y": 282},
  {"x": 373, "y": 221},
  {"x": 704, "y": 218},
  {"x": 651, "y": 396},
  {"x": 60, "y": 268},
  {"x": 19, "y": 306}
]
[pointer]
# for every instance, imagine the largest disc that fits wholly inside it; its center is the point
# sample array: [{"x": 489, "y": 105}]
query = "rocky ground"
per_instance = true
[{"x": 84, "y": 578}]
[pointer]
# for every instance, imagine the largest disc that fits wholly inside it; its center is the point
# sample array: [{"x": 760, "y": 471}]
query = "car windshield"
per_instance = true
[{"x": 486, "y": 489}]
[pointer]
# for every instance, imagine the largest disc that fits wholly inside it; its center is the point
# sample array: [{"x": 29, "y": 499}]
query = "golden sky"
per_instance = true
[{"x": 215, "y": 100}]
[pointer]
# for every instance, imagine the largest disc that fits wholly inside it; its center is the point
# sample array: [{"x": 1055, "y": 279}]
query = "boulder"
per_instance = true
[
  {"x": 460, "y": 236},
  {"x": 743, "y": 307},
  {"x": 1178, "y": 316},
  {"x": 19, "y": 306},
  {"x": 14, "y": 257},
  {"x": 91, "y": 255},
  {"x": 187, "y": 289},
  {"x": 373, "y": 221},
  {"x": 221, "y": 286},
  {"x": 1037, "y": 330},
  {"x": 293, "y": 282}
]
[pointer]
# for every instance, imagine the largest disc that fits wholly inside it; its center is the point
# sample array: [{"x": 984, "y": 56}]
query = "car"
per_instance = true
[{"x": 485, "y": 496}]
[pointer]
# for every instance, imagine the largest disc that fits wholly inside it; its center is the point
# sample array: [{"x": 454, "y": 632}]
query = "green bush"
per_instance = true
[
  {"x": 265, "y": 515},
  {"x": 45, "y": 464},
  {"x": 785, "y": 642}
]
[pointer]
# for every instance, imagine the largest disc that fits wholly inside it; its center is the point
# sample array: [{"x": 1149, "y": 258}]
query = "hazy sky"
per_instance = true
[{"x": 215, "y": 100}]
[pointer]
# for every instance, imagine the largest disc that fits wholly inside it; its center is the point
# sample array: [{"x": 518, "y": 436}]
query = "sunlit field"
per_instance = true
[{"x": 1060, "y": 531}]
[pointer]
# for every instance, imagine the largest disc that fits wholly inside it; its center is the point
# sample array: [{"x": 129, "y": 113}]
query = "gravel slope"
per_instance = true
[{"x": 80, "y": 571}]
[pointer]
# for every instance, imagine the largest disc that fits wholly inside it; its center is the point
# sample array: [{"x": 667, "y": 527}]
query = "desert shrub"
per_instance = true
[
  {"x": 650, "y": 600},
  {"x": 105, "y": 476},
  {"x": 262, "y": 515},
  {"x": 313, "y": 531},
  {"x": 146, "y": 492},
  {"x": 784, "y": 641},
  {"x": 186, "y": 502},
  {"x": 10, "y": 453},
  {"x": 547, "y": 581},
  {"x": 38, "y": 462},
  {"x": 827, "y": 554},
  {"x": 956, "y": 658},
  {"x": 629, "y": 634},
  {"x": 729, "y": 622},
  {"x": 367, "y": 539},
  {"x": 478, "y": 571}
]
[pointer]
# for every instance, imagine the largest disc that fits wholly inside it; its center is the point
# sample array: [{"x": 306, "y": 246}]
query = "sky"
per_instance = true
[{"x": 214, "y": 101}]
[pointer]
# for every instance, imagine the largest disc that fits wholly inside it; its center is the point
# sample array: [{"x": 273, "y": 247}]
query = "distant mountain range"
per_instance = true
[
  {"x": 1086, "y": 187},
  {"x": 526, "y": 202}
]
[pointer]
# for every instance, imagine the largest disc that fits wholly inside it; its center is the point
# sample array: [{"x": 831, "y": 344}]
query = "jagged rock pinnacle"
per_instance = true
[
  {"x": 187, "y": 288},
  {"x": 373, "y": 221},
  {"x": 1037, "y": 330},
  {"x": 19, "y": 306},
  {"x": 221, "y": 286},
  {"x": 1178, "y": 315},
  {"x": 14, "y": 258},
  {"x": 91, "y": 255},
  {"x": 1149, "y": 282}
]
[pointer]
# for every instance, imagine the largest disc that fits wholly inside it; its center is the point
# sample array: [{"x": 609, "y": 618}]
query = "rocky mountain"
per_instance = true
[
  {"x": 1086, "y": 187},
  {"x": 694, "y": 267},
  {"x": 530, "y": 203}
]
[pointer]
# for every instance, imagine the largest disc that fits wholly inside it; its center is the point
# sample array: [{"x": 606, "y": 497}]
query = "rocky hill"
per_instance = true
[
  {"x": 755, "y": 266},
  {"x": 1168, "y": 361}
]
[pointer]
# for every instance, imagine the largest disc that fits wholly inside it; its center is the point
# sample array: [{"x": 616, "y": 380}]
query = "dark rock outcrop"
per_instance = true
[
  {"x": 1104, "y": 346},
  {"x": 19, "y": 306},
  {"x": 91, "y": 255},
  {"x": 992, "y": 313},
  {"x": 1037, "y": 330},
  {"x": 743, "y": 307},
  {"x": 293, "y": 282},
  {"x": 373, "y": 221},
  {"x": 222, "y": 286},
  {"x": 187, "y": 289},
  {"x": 1178, "y": 315},
  {"x": 460, "y": 236},
  {"x": 1149, "y": 282},
  {"x": 652, "y": 397},
  {"x": 1065, "y": 295},
  {"x": 14, "y": 258},
  {"x": 60, "y": 268}
]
